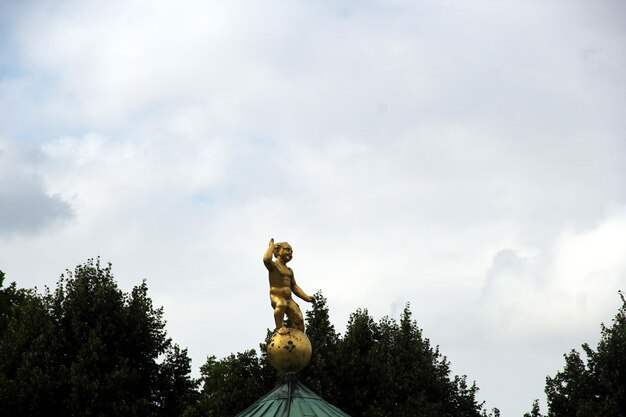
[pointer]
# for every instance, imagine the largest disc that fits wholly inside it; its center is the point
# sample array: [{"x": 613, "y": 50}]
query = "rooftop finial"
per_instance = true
[{"x": 289, "y": 349}]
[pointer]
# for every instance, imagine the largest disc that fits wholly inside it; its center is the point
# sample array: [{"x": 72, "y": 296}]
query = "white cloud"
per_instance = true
[{"x": 565, "y": 288}]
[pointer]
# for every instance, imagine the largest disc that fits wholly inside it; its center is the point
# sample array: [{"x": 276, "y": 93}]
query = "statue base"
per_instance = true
[{"x": 289, "y": 352}]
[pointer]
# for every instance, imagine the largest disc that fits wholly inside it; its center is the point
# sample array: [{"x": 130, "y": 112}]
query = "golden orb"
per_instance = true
[{"x": 289, "y": 350}]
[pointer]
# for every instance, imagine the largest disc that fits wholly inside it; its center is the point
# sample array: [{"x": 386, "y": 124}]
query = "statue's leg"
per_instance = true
[
  {"x": 280, "y": 305},
  {"x": 295, "y": 315}
]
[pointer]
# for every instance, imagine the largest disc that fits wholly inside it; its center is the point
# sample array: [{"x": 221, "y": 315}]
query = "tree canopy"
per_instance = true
[
  {"x": 593, "y": 385},
  {"x": 89, "y": 349}
]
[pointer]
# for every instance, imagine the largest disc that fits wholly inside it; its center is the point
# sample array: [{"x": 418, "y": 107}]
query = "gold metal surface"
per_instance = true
[
  {"x": 289, "y": 352},
  {"x": 282, "y": 286}
]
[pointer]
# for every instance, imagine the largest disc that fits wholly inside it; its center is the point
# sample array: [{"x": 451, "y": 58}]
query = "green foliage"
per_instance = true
[
  {"x": 535, "y": 410},
  {"x": 395, "y": 372},
  {"x": 321, "y": 375},
  {"x": 88, "y": 349},
  {"x": 233, "y": 383},
  {"x": 594, "y": 386},
  {"x": 376, "y": 369},
  {"x": 25, "y": 331}
]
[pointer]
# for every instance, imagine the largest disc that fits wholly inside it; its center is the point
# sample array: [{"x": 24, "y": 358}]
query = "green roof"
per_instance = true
[{"x": 292, "y": 399}]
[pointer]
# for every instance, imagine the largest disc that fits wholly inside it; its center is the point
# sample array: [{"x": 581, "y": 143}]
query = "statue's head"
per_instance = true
[{"x": 283, "y": 250}]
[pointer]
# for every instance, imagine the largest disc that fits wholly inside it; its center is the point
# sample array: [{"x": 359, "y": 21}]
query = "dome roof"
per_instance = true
[{"x": 292, "y": 399}]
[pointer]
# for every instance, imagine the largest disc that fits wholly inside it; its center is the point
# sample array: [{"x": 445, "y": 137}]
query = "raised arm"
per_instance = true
[
  {"x": 267, "y": 257},
  {"x": 299, "y": 292}
]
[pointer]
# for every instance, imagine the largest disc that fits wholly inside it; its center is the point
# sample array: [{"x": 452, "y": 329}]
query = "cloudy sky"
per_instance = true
[{"x": 466, "y": 157}]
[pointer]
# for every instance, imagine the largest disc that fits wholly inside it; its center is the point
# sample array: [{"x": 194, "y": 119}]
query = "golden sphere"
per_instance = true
[{"x": 289, "y": 352}]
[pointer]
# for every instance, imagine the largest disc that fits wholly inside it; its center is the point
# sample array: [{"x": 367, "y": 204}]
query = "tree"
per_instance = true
[
  {"x": 25, "y": 357},
  {"x": 596, "y": 385},
  {"x": 535, "y": 410},
  {"x": 321, "y": 374},
  {"x": 233, "y": 383},
  {"x": 88, "y": 349},
  {"x": 394, "y": 371}
]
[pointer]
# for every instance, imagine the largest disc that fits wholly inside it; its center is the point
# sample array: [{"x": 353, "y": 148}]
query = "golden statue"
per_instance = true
[{"x": 283, "y": 285}]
